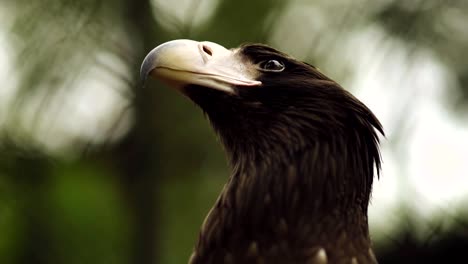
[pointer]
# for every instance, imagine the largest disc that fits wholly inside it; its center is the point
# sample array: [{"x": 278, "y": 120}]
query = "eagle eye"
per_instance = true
[{"x": 272, "y": 66}]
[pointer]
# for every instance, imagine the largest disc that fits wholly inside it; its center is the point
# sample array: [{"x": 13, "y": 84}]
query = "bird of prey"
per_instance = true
[{"x": 303, "y": 153}]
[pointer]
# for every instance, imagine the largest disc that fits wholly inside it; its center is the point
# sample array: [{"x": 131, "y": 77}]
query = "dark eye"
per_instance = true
[{"x": 272, "y": 66}]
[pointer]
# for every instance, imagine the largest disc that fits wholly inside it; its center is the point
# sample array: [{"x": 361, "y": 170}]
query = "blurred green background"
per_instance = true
[{"x": 94, "y": 169}]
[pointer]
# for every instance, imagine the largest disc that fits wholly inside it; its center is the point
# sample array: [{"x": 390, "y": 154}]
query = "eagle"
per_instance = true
[{"x": 302, "y": 151}]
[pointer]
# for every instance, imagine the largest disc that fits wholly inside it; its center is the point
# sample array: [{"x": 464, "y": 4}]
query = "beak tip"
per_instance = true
[
  {"x": 146, "y": 67},
  {"x": 142, "y": 82},
  {"x": 143, "y": 77}
]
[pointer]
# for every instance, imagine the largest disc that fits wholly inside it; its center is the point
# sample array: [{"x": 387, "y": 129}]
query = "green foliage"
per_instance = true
[{"x": 86, "y": 216}]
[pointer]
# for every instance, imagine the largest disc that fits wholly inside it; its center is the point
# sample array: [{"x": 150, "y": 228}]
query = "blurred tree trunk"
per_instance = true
[{"x": 138, "y": 153}]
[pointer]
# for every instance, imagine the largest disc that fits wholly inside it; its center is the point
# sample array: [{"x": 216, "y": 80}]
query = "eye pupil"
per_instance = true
[{"x": 273, "y": 65}]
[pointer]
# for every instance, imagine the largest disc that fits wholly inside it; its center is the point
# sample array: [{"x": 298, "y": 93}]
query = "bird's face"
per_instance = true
[{"x": 243, "y": 84}]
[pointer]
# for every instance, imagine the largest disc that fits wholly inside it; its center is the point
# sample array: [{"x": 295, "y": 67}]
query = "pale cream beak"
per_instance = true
[{"x": 183, "y": 62}]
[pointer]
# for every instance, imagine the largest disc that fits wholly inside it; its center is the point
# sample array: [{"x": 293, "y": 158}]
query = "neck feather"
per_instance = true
[
  {"x": 301, "y": 180},
  {"x": 310, "y": 196}
]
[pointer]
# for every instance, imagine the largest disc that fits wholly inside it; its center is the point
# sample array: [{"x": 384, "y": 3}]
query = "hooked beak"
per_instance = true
[{"x": 184, "y": 62}]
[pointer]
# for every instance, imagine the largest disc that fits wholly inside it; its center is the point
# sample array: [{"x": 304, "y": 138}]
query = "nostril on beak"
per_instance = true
[{"x": 207, "y": 50}]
